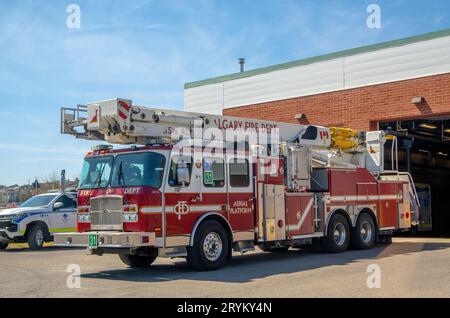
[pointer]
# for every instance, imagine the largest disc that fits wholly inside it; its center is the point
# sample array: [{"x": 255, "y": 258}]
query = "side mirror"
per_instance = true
[
  {"x": 183, "y": 176},
  {"x": 57, "y": 206}
]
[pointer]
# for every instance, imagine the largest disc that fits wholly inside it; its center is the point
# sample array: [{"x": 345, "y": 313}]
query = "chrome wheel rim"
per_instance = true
[
  {"x": 366, "y": 232},
  {"x": 339, "y": 234},
  {"x": 39, "y": 237},
  {"x": 212, "y": 246}
]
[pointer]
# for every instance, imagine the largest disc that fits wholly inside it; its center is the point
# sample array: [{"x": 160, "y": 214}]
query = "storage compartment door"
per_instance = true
[
  {"x": 272, "y": 225},
  {"x": 300, "y": 214}
]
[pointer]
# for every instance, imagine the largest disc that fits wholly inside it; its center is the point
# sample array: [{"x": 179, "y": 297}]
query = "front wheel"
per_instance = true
[
  {"x": 3, "y": 245},
  {"x": 139, "y": 260},
  {"x": 338, "y": 235},
  {"x": 36, "y": 237},
  {"x": 211, "y": 247}
]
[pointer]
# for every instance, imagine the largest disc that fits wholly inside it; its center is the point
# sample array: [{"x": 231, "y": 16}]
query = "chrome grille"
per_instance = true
[{"x": 106, "y": 213}]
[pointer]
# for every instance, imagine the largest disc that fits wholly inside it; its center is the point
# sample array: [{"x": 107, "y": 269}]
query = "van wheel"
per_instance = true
[
  {"x": 363, "y": 235},
  {"x": 138, "y": 260},
  {"x": 211, "y": 247},
  {"x": 3, "y": 245},
  {"x": 338, "y": 235},
  {"x": 36, "y": 237}
]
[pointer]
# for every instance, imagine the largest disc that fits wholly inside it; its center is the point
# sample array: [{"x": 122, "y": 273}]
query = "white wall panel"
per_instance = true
[
  {"x": 409, "y": 61},
  {"x": 309, "y": 79},
  {"x": 399, "y": 63},
  {"x": 204, "y": 99}
]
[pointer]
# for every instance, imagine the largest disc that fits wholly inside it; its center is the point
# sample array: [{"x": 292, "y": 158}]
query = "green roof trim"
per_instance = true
[{"x": 321, "y": 58}]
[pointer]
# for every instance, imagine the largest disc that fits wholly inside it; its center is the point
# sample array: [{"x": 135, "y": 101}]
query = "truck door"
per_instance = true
[
  {"x": 240, "y": 197},
  {"x": 213, "y": 185},
  {"x": 181, "y": 201},
  {"x": 63, "y": 219}
]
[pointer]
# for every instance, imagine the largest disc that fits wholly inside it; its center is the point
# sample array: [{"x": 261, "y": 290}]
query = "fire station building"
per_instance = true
[{"x": 401, "y": 86}]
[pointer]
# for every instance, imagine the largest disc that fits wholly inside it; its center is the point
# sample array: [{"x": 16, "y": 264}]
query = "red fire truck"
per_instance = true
[{"x": 200, "y": 186}]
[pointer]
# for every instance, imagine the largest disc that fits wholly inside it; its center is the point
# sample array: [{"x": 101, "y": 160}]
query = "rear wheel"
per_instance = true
[
  {"x": 211, "y": 247},
  {"x": 363, "y": 235},
  {"x": 3, "y": 245},
  {"x": 338, "y": 235},
  {"x": 36, "y": 237},
  {"x": 139, "y": 260}
]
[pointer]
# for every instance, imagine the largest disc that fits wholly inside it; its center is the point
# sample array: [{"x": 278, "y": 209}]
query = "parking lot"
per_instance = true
[{"x": 410, "y": 267}]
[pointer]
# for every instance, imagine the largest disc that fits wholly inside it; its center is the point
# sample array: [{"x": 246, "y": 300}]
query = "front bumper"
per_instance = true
[
  {"x": 7, "y": 236},
  {"x": 4, "y": 238},
  {"x": 105, "y": 239}
]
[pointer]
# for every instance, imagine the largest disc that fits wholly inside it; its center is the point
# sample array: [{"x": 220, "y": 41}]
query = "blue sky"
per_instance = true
[{"x": 146, "y": 50}]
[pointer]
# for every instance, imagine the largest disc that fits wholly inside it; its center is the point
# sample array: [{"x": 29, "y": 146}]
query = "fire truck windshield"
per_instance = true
[
  {"x": 138, "y": 169},
  {"x": 96, "y": 172},
  {"x": 123, "y": 170}
]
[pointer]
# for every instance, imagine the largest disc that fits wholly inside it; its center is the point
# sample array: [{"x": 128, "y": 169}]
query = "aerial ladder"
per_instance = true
[{"x": 117, "y": 121}]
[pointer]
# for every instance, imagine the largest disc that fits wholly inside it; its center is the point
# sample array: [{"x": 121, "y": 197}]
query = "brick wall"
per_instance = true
[{"x": 359, "y": 108}]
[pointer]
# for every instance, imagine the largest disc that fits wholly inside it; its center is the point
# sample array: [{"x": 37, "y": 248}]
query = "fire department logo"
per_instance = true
[{"x": 181, "y": 208}]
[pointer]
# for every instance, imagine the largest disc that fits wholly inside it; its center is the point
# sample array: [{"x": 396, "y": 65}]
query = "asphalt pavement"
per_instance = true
[{"x": 409, "y": 267}]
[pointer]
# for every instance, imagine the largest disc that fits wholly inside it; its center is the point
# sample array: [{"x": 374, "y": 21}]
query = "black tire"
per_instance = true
[
  {"x": 274, "y": 249},
  {"x": 36, "y": 237},
  {"x": 139, "y": 260},
  {"x": 340, "y": 243},
  {"x": 316, "y": 245},
  {"x": 209, "y": 232},
  {"x": 3, "y": 245},
  {"x": 364, "y": 234}
]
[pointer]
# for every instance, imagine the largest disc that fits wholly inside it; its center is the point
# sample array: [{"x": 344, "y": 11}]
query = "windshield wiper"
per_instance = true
[
  {"x": 121, "y": 175},
  {"x": 98, "y": 181}
]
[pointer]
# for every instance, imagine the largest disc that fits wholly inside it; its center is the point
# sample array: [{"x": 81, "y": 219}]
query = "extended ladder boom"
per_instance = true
[{"x": 117, "y": 121}]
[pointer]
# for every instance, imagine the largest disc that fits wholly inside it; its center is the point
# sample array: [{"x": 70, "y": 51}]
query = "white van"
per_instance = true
[{"x": 38, "y": 218}]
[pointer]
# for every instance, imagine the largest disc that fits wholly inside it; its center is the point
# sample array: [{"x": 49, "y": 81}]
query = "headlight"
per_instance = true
[
  {"x": 18, "y": 217},
  {"x": 83, "y": 218},
  {"x": 83, "y": 209},
  {"x": 130, "y": 217}
]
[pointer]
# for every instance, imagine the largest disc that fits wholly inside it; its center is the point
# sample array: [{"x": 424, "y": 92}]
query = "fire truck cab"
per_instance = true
[{"x": 203, "y": 197}]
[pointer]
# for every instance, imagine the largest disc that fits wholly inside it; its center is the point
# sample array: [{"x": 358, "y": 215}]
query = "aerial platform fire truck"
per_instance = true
[{"x": 200, "y": 186}]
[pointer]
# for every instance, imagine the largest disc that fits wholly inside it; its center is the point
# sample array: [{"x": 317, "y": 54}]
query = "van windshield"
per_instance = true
[{"x": 38, "y": 201}]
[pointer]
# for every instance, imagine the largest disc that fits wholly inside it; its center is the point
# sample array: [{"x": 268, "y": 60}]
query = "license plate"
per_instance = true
[{"x": 92, "y": 241}]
